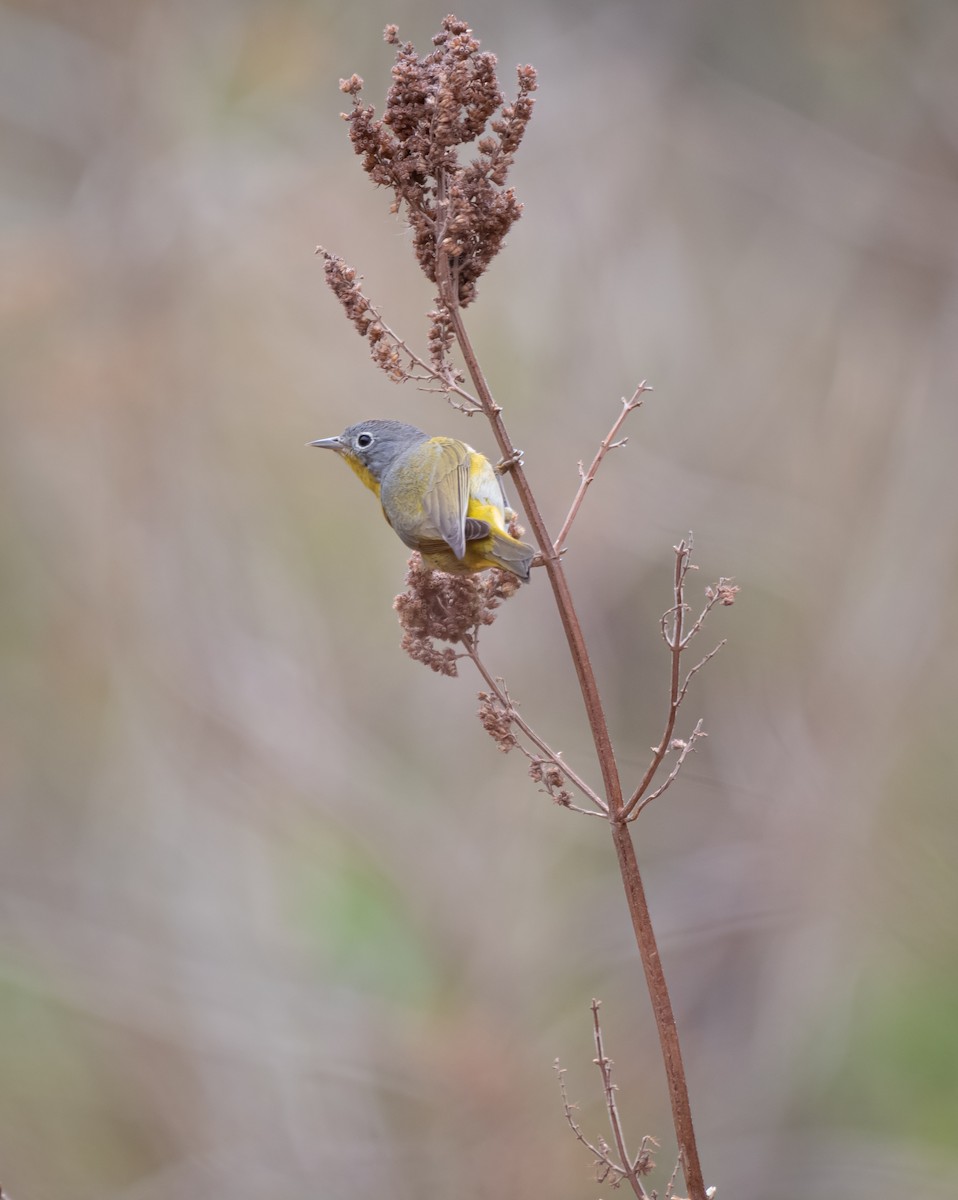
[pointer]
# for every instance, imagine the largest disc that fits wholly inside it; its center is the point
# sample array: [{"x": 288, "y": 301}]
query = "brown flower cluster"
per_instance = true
[
  {"x": 384, "y": 347},
  {"x": 552, "y": 780},
  {"x": 496, "y": 721},
  {"x": 724, "y": 592},
  {"x": 440, "y": 342},
  {"x": 437, "y": 607},
  {"x": 437, "y": 103}
]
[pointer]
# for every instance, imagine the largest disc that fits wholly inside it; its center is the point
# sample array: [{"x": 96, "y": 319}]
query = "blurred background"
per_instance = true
[{"x": 276, "y": 917}]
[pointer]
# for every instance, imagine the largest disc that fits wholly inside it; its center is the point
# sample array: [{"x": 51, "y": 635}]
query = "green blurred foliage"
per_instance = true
[
  {"x": 897, "y": 1074},
  {"x": 276, "y": 918}
]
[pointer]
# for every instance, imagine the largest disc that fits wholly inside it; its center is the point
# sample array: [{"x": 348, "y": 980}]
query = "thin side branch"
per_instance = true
[
  {"x": 498, "y": 689},
  {"x": 604, "y": 1064},
  {"x": 608, "y": 443},
  {"x": 670, "y": 1186},
  {"x": 611, "y": 1165},
  {"x": 685, "y": 749},
  {"x": 612, "y": 1171},
  {"x": 698, "y": 667},
  {"x": 677, "y": 634},
  {"x": 672, "y": 631},
  {"x": 724, "y": 592}
]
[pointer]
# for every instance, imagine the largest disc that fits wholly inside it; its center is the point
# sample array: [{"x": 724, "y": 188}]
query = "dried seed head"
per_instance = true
[
  {"x": 724, "y": 592},
  {"x": 552, "y": 780},
  {"x": 351, "y": 86},
  {"x": 437, "y": 607},
  {"x": 385, "y": 349},
  {"x": 437, "y": 103},
  {"x": 496, "y": 721}
]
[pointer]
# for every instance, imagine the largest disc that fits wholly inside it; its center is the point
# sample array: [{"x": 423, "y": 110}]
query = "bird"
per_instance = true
[{"x": 442, "y": 497}]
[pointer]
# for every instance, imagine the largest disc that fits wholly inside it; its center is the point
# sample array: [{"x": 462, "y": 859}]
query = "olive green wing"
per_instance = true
[{"x": 446, "y": 492}]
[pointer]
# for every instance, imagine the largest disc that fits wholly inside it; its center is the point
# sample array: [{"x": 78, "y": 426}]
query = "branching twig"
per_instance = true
[
  {"x": 604, "y": 1064},
  {"x": 613, "y": 1170},
  {"x": 621, "y": 1165},
  {"x": 677, "y": 637},
  {"x": 608, "y": 443},
  {"x": 724, "y": 592},
  {"x": 670, "y": 1186},
  {"x": 698, "y": 667},
  {"x": 676, "y": 615}
]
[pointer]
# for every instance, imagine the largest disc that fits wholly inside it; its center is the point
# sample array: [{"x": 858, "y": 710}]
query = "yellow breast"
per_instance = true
[{"x": 364, "y": 473}]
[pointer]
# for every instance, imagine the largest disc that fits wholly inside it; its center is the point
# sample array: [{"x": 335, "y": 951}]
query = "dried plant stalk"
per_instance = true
[{"x": 443, "y": 107}]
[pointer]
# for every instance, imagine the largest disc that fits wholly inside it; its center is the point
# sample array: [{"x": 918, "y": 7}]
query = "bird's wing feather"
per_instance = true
[{"x": 446, "y": 496}]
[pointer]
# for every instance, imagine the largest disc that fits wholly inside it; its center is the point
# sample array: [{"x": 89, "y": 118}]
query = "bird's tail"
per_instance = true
[{"x": 512, "y": 555}]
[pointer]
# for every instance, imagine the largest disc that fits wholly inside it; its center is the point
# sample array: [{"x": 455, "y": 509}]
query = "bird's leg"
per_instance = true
[{"x": 507, "y": 464}]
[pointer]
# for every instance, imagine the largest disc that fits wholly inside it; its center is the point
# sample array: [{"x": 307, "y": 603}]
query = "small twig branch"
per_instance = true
[
  {"x": 685, "y": 749},
  {"x": 724, "y": 592},
  {"x": 446, "y": 382},
  {"x": 677, "y": 635},
  {"x": 604, "y": 1064},
  {"x": 608, "y": 443},
  {"x": 698, "y": 667},
  {"x": 673, "y": 634},
  {"x": 618, "y": 1165},
  {"x": 613, "y": 1169},
  {"x": 500, "y": 692},
  {"x": 643, "y": 1163}
]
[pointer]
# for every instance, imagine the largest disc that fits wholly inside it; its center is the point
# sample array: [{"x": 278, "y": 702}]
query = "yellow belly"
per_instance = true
[{"x": 480, "y": 553}]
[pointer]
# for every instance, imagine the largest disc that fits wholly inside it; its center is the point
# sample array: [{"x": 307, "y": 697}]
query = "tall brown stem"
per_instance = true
[
  {"x": 661, "y": 1008},
  {"x": 621, "y": 833}
]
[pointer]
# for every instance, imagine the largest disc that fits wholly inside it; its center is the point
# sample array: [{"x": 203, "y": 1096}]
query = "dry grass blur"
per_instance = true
[{"x": 276, "y": 918}]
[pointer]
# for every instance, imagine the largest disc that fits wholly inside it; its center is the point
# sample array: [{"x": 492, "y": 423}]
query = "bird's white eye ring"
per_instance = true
[{"x": 364, "y": 441}]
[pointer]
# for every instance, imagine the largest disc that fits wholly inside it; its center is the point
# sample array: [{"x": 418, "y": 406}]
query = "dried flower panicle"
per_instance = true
[
  {"x": 437, "y": 103},
  {"x": 438, "y": 607},
  {"x": 386, "y": 350},
  {"x": 552, "y": 780},
  {"x": 345, "y": 286},
  {"x": 440, "y": 341},
  {"x": 497, "y": 586},
  {"x": 496, "y": 721}
]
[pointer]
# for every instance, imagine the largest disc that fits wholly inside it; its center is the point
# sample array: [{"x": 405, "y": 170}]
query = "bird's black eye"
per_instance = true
[{"x": 364, "y": 441}]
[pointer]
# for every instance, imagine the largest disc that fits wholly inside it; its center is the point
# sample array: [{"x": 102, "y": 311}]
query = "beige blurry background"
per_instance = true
[{"x": 276, "y": 918}]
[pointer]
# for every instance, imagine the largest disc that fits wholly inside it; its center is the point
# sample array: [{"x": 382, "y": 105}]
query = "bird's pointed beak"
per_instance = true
[{"x": 333, "y": 443}]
